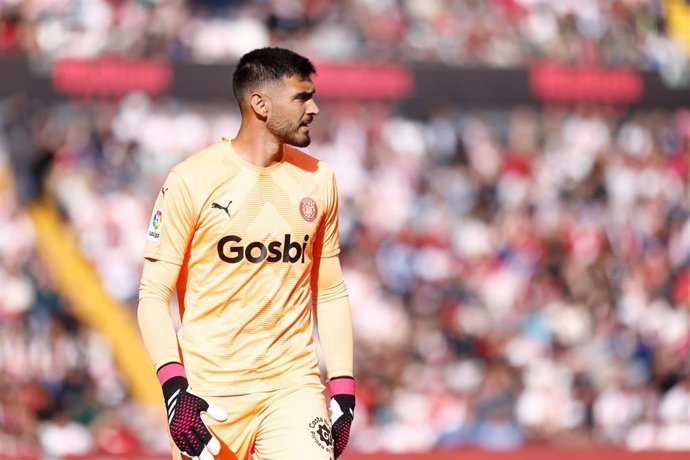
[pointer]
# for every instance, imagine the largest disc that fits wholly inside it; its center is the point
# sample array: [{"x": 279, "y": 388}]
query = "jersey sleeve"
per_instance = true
[
  {"x": 155, "y": 291},
  {"x": 331, "y": 240},
  {"x": 172, "y": 222}
]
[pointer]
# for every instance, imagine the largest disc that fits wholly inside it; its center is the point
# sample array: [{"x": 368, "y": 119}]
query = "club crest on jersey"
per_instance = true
[
  {"x": 308, "y": 209},
  {"x": 155, "y": 225}
]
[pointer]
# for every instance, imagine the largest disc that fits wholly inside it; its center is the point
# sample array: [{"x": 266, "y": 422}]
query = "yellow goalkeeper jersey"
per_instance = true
[{"x": 247, "y": 239}]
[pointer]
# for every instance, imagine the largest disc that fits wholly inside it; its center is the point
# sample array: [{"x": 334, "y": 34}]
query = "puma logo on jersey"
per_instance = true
[{"x": 215, "y": 205}]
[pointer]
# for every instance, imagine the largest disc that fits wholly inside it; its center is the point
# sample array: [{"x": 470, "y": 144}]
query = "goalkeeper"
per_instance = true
[{"x": 246, "y": 231}]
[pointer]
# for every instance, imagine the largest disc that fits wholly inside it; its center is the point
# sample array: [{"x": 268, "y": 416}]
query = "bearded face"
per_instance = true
[
  {"x": 290, "y": 132},
  {"x": 292, "y": 109}
]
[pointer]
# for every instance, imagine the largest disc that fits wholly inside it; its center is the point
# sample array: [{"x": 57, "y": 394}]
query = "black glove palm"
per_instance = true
[
  {"x": 188, "y": 430},
  {"x": 342, "y": 413}
]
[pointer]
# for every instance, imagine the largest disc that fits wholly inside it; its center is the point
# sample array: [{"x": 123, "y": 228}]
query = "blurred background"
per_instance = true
[{"x": 514, "y": 179}]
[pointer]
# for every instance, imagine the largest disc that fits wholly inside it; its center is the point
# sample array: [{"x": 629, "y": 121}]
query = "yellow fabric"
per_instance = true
[
  {"x": 335, "y": 336},
  {"x": 286, "y": 424},
  {"x": 332, "y": 293},
  {"x": 327, "y": 273},
  {"x": 334, "y": 320},
  {"x": 678, "y": 21},
  {"x": 157, "y": 284},
  {"x": 76, "y": 279},
  {"x": 246, "y": 238}
]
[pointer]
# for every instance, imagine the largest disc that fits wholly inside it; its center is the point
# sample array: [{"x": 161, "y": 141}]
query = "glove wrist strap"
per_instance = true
[
  {"x": 172, "y": 378},
  {"x": 341, "y": 386},
  {"x": 170, "y": 370}
]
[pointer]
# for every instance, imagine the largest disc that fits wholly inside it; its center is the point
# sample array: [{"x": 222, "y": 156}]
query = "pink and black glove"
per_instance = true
[
  {"x": 184, "y": 407},
  {"x": 342, "y": 408}
]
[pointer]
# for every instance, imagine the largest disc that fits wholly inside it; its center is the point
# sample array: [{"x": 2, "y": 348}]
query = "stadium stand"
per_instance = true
[
  {"x": 57, "y": 377},
  {"x": 531, "y": 264},
  {"x": 493, "y": 33}
]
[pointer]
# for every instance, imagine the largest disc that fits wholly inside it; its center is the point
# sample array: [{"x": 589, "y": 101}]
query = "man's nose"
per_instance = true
[{"x": 313, "y": 109}]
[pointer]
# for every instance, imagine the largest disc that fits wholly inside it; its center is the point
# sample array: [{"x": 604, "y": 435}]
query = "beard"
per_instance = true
[{"x": 287, "y": 132}]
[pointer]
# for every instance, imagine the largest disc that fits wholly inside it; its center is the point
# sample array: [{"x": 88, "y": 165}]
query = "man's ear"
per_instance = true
[{"x": 260, "y": 104}]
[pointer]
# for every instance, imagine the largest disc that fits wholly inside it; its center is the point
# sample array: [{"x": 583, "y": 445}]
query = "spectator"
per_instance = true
[
  {"x": 516, "y": 276},
  {"x": 492, "y": 33}
]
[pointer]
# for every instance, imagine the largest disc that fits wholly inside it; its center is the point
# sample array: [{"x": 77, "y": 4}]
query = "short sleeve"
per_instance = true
[
  {"x": 331, "y": 240},
  {"x": 172, "y": 222}
]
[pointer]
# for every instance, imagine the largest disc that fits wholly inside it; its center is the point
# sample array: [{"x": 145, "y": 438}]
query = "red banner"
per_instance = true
[
  {"x": 363, "y": 81},
  {"x": 110, "y": 77},
  {"x": 553, "y": 82}
]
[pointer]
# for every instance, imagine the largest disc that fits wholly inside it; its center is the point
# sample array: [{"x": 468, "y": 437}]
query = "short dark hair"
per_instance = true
[{"x": 268, "y": 65}]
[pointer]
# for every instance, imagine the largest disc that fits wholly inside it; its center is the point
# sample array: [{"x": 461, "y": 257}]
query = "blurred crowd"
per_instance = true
[
  {"x": 516, "y": 276},
  {"x": 60, "y": 391},
  {"x": 493, "y": 33}
]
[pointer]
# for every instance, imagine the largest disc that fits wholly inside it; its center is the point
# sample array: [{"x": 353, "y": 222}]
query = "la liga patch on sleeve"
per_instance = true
[{"x": 155, "y": 225}]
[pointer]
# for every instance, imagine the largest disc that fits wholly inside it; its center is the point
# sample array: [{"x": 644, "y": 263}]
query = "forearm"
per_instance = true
[
  {"x": 334, "y": 321},
  {"x": 335, "y": 331},
  {"x": 157, "y": 329}
]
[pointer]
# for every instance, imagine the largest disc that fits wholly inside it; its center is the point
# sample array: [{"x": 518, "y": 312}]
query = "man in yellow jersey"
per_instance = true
[{"x": 247, "y": 231}]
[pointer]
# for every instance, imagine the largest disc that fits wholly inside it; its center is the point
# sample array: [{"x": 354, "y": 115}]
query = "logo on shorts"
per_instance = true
[
  {"x": 155, "y": 226},
  {"x": 308, "y": 209},
  {"x": 321, "y": 434}
]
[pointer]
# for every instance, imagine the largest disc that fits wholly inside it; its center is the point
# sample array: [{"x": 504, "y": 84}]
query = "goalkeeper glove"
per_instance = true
[
  {"x": 184, "y": 407},
  {"x": 342, "y": 406}
]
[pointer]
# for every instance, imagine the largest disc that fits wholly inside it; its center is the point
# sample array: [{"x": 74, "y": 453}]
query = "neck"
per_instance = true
[{"x": 261, "y": 149}]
